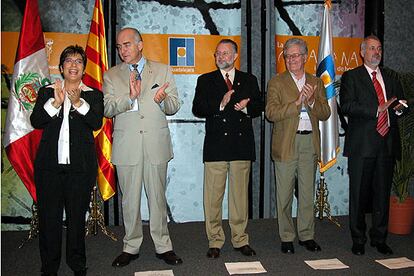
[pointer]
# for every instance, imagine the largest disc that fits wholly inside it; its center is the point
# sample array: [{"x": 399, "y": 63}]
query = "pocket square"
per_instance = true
[{"x": 155, "y": 86}]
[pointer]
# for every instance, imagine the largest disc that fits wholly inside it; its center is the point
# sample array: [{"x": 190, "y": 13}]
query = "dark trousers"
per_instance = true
[
  {"x": 370, "y": 180},
  {"x": 58, "y": 190}
]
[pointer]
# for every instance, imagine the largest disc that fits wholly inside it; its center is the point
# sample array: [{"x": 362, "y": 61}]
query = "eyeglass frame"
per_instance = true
[
  {"x": 292, "y": 56},
  {"x": 77, "y": 61}
]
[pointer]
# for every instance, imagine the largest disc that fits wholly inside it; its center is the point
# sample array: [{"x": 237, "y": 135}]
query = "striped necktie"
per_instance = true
[
  {"x": 138, "y": 75},
  {"x": 382, "y": 123},
  {"x": 228, "y": 82}
]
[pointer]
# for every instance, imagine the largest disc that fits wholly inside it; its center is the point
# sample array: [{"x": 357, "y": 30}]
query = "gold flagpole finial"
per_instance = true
[{"x": 328, "y": 3}]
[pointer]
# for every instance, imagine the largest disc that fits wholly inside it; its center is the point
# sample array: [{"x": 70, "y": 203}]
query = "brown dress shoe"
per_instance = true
[
  {"x": 213, "y": 253},
  {"x": 170, "y": 258},
  {"x": 124, "y": 259},
  {"x": 246, "y": 250}
]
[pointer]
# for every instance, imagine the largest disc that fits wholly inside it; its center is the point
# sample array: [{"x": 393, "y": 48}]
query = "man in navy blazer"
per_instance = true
[
  {"x": 228, "y": 99},
  {"x": 369, "y": 93}
]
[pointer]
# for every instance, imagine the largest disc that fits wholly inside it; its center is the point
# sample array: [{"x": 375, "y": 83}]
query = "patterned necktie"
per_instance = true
[
  {"x": 382, "y": 123},
  {"x": 228, "y": 82},
  {"x": 138, "y": 75}
]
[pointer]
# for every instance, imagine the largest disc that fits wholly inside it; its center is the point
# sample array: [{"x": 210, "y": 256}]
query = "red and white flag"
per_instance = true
[{"x": 31, "y": 71}]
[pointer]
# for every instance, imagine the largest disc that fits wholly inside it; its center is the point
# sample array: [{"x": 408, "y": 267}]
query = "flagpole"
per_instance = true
[
  {"x": 34, "y": 226},
  {"x": 96, "y": 66},
  {"x": 329, "y": 128},
  {"x": 96, "y": 217},
  {"x": 322, "y": 205}
]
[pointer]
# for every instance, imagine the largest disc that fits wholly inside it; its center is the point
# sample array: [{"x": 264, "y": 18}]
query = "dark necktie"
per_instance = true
[
  {"x": 228, "y": 82},
  {"x": 138, "y": 75},
  {"x": 382, "y": 123}
]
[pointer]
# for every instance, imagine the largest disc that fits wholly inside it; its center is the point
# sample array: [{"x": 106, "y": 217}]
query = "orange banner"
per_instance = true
[
  {"x": 186, "y": 54},
  {"x": 346, "y": 53}
]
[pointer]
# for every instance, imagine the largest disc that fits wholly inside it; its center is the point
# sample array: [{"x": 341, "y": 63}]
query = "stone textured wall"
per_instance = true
[{"x": 399, "y": 35}]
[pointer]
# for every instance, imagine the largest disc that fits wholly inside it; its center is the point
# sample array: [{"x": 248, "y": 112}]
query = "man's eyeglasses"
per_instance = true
[
  {"x": 77, "y": 61},
  {"x": 292, "y": 56},
  {"x": 222, "y": 54}
]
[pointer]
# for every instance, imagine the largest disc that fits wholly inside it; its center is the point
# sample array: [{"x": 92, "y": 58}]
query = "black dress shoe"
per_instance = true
[
  {"x": 358, "y": 249},
  {"x": 170, "y": 258},
  {"x": 310, "y": 245},
  {"x": 213, "y": 253},
  {"x": 382, "y": 248},
  {"x": 287, "y": 248},
  {"x": 124, "y": 259},
  {"x": 246, "y": 250},
  {"x": 49, "y": 274}
]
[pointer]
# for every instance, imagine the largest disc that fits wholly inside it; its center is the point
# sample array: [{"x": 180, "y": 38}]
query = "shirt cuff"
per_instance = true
[
  {"x": 311, "y": 105},
  {"x": 50, "y": 109},
  {"x": 83, "y": 108}
]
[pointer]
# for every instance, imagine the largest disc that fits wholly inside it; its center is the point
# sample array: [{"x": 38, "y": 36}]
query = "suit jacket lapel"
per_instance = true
[
  {"x": 387, "y": 83},
  {"x": 367, "y": 80},
  {"x": 237, "y": 80},
  {"x": 291, "y": 85},
  {"x": 147, "y": 77},
  {"x": 124, "y": 73},
  {"x": 220, "y": 83}
]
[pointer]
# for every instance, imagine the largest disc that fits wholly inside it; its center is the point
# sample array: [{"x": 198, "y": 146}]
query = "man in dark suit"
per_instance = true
[
  {"x": 228, "y": 99},
  {"x": 370, "y": 98},
  {"x": 66, "y": 164},
  {"x": 296, "y": 103}
]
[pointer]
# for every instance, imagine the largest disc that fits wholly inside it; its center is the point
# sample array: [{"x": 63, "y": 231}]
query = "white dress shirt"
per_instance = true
[
  {"x": 304, "y": 119},
  {"x": 64, "y": 141},
  {"x": 381, "y": 82},
  {"x": 140, "y": 68}
]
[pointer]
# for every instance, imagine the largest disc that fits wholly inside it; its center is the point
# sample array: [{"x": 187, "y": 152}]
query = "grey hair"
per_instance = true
[
  {"x": 296, "y": 41},
  {"x": 364, "y": 42}
]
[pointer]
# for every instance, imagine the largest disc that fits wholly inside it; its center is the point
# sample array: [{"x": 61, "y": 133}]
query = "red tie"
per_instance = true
[
  {"x": 228, "y": 82},
  {"x": 382, "y": 123}
]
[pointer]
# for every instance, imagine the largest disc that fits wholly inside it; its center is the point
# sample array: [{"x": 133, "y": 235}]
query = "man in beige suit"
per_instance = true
[
  {"x": 296, "y": 102},
  {"x": 138, "y": 94}
]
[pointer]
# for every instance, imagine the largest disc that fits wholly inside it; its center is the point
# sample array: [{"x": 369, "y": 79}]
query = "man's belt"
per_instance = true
[{"x": 304, "y": 132}]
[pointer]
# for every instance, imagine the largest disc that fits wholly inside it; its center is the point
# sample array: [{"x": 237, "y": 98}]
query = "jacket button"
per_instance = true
[
  {"x": 240, "y": 120},
  {"x": 141, "y": 131},
  {"x": 224, "y": 120},
  {"x": 225, "y": 133},
  {"x": 240, "y": 134},
  {"x": 142, "y": 116}
]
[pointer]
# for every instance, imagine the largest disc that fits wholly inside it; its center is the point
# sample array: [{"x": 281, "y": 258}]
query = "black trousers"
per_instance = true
[
  {"x": 56, "y": 191},
  {"x": 370, "y": 180}
]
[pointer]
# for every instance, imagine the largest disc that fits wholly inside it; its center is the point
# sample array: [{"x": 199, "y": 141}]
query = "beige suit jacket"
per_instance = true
[
  {"x": 145, "y": 130},
  {"x": 283, "y": 112}
]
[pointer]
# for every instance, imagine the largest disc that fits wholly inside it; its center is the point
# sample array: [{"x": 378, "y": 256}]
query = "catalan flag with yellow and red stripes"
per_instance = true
[{"x": 97, "y": 64}]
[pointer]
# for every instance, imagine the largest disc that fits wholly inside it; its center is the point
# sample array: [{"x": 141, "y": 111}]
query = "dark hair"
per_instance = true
[
  {"x": 229, "y": 41},
  {"x": 70, "y": 51}
]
